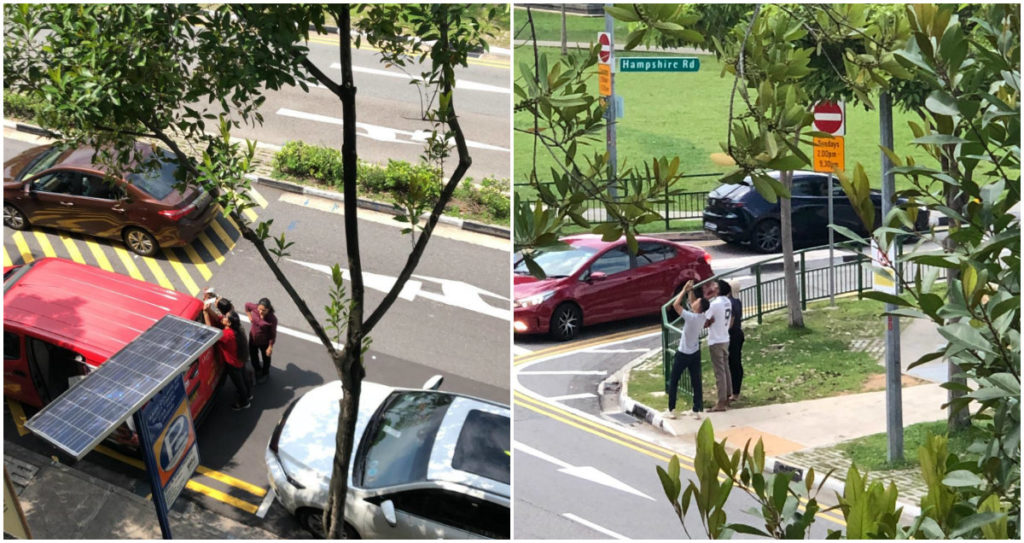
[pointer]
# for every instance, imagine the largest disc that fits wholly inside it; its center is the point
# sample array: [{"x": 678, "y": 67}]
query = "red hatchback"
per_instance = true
[
  {"x": 595, "y": 281},
  {"x": 64, "y": 189}
]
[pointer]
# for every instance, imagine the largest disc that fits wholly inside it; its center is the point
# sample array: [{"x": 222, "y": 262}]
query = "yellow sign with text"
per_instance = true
[
  {"x": 829, "y": 154},
  {"x": 604, "y": 79}
]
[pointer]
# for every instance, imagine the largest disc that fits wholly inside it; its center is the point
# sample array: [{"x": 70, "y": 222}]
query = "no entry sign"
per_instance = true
[
  {"x": 830, "y": 117},
  {"x": 605, "y": 55}
]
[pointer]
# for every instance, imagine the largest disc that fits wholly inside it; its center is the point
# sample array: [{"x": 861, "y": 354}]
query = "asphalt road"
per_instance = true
[{"x": 452, "y": 319}]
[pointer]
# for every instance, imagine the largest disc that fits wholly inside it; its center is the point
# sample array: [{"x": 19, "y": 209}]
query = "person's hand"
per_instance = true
[
  {"x": 270, "y": 349},
  {"x": 688, "y": 285}
]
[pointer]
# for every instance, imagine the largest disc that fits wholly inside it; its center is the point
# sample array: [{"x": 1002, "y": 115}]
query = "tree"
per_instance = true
[{"x": 111, "y": 74}]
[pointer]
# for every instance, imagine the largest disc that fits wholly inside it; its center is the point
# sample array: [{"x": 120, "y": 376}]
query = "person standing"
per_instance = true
[
  {"x": 262, "y": 335},
  {"x": 233, "y": 350},
  {"x": 720, "y": 315},
  {"x": 736, "y": 339},
  {"x": 688, "y": 353}
]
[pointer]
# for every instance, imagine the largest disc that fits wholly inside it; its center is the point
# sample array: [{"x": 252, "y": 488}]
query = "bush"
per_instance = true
[
  {"x": 320, "y": 163},
  {"x": 400, "y": 175},
  {"x": 20, "y": 106},
  {"x": 494, "y": 195}
]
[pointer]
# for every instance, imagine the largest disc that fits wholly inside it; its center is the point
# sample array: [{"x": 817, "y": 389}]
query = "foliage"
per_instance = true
[
  {"x": 315, "y": 161},
  {"x": 20, "y": 105}
]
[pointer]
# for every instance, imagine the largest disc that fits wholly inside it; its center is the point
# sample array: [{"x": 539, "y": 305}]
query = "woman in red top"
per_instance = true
[
  {"x": 233, "y": 350},
  {"x": 262, "y": 335}
]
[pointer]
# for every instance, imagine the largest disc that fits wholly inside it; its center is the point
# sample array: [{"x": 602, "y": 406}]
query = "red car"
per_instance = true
[
  {"x": 64, "y": 189},
  {"x": 593, "y": 281},
  {"x": 63, "y": 319}
]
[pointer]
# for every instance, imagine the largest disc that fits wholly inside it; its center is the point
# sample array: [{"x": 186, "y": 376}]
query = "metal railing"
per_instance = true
[
  {"x": 853, "y": 274},
  {"x": 685, "y": 205}
]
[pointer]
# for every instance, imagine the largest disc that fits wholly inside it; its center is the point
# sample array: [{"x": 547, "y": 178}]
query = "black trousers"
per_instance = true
[
  {"x": 689, "y": 362},
  {"x": 736, "y": 339},
  {"x": 237, "y": 376},
  {"x": 257, "y": 353}
]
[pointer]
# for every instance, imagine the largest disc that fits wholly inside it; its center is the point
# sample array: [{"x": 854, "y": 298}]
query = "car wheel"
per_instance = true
[
  {"x": 140, "y": 242},
  {"x": 14, "y": 218},
  {"x": 312, "y": 521},
  {"x": 566, "y": 322},
  {"x": 767, "y": 236}
]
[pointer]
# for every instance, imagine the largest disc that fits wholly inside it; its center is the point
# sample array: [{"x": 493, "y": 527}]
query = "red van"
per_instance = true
[{"x": 63, "y": 319}]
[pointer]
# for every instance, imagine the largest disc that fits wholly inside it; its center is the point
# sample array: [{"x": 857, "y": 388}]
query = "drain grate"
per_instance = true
[{"x": 21, "y": 473}]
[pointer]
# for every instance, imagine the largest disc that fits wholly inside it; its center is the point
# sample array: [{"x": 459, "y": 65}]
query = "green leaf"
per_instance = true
[
  {"x": 960, "y": 478},
  {"x": 941, "y": 103},
  {"x": 975, "y": 522}
]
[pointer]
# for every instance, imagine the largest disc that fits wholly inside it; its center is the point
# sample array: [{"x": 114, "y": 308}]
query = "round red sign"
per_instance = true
[
  {"x": 828, "y": 117},
  {"x": 606, "y": 47}
]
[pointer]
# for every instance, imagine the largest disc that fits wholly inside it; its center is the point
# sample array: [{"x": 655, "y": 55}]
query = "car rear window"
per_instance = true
[
  {"x": 483, "y": 446},
  {"x": 158, "y": 178}
]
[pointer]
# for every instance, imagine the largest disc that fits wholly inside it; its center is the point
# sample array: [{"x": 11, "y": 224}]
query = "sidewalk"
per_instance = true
[
  {"x": 800, "y": 434},
  {"x": 63, "y": 503}
]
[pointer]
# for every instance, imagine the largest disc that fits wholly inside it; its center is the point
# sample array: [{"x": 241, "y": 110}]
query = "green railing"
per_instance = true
[{"x": 853, "y": 274}]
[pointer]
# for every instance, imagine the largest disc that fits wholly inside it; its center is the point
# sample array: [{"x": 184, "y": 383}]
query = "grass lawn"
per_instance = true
[
  {"x": 656, "y": 227},
  {"x": 580, "y": 28},
  {"x": 781, "y": 365},
  {"x": 686, "y": 115},
  {"x": 870, "y": 452}
]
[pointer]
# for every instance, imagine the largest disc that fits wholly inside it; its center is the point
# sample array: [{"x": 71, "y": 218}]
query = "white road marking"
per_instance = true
[
  {"x": 295, "y": 333},
  {"x": 460, "y": 84},
  {"x": 569, "y": 372},
  {"x": 268, "y": 500},
  {"x": 588, "y": 473},
  {"x": 520, "y": 351},
  {"x": 454, "y": 293},
  {"x": 593, "y": 526},
  {"x": 615, "y": 351},
  {"x": 580, "y": 396},
  {"x": 568, "y": 353},
  {"x": 381, "y": 133}
]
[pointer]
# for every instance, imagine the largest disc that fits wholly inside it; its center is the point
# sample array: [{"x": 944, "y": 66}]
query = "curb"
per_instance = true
[{"x": 480, "y": 228}]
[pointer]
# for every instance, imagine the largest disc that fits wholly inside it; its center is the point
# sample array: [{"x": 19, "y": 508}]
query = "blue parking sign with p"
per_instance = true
[{"x": 168, "y": 440}]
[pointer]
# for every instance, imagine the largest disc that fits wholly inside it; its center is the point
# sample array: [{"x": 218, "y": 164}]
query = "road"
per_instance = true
[
  {"x": 390, "y": 110},
  {"x": 452, "y": 319}
]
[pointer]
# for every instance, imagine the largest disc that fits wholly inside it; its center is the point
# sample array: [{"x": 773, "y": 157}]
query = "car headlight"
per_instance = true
[{"x": 536, "y": 299}]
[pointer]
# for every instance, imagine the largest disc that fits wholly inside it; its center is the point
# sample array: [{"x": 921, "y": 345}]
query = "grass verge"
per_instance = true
[{"x": 871, "y": 452}]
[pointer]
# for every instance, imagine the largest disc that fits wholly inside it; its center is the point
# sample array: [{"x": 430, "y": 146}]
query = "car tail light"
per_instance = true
[
  {"x": 707, "y": 257},
  {"x": 732, "y": 205},
  {"x": 177, "y": 214}
]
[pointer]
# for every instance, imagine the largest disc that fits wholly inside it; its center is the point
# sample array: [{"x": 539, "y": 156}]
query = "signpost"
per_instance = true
[
  {"x": 168, "y": 440},
  {"x": 829, "y": 156},
  {"x": 659, "y": 64},
  {"x": 606, "y": 84}
]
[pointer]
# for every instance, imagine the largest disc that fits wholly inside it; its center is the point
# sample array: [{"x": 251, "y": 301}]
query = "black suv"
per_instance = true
[{"x": 738, "y": 214}]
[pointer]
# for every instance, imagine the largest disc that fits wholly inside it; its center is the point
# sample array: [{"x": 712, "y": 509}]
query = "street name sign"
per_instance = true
[
  {"x": 659, "y": 64},
  {"x": 829, "y": 154}
]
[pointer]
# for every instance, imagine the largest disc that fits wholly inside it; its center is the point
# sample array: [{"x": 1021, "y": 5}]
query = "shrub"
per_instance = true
[
  {"x": 20, "y": 106},
  {"x": 320, "y": 163}
]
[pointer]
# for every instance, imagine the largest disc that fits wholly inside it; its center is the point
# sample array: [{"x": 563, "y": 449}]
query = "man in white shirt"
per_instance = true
[
  {"x": 720, "y": 316},
  {"x": 688, "y": 353}
]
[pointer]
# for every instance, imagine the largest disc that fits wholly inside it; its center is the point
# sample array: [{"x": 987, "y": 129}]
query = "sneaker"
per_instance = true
[
  {"x": 262, "y": 378},
  {"x": 241, "y": 406},
  {"x": 696, "y": 415},
  {"x": 668, "y": 415}
]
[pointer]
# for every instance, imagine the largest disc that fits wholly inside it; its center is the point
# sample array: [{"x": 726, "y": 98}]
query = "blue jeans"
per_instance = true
[{"x": 689, "y": 362}]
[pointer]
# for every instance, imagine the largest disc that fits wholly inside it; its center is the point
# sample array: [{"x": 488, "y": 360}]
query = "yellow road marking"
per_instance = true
[
  {"x": 250, "y": 214},
  {"x": 200, "y": 265},
  {"x": 7, "y": 258},
  {"x": 26, "y": 253},
  {"x": 229, "y": 480},
  {"x": 578, "y": 346},
  {"x": 190, "y": 285},
  {"x": 157, "y": 272},
  {"x": 97, "y": 253},
  {"x": 129, "y": 264},
  {"x": 210, "y": 246},
  {"x": 44, "y": 242},
  {"x": 69, "y": 244},
  {"x": 222, "y": 496},
  {"x": 18, "y": 414},
  {"x": 223, "y": 235},
  {"x": 258, "y": 198}
]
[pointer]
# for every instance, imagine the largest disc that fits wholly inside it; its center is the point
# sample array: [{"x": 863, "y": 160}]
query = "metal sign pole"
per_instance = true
[
  {"x": 609, "y": 27},
  {"x": 893, "y": 377},
  {"x": 831, "y": 248}
]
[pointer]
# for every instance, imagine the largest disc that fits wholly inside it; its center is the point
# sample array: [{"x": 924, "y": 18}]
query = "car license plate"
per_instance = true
[{"x": 711, "y": 226}]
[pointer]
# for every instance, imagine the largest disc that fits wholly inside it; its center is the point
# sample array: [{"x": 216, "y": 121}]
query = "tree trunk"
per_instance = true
[
  {"x": 565, "y": 37},
  {"x": 957, "y": 419},
  {"x": 796, "y": 316}
]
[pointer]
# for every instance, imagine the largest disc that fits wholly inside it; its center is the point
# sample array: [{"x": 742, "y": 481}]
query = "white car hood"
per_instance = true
[{"x": 307, "y": 441}]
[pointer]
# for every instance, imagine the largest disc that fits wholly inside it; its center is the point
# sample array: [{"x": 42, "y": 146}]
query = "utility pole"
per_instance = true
[{"x": 893, "y": 372}]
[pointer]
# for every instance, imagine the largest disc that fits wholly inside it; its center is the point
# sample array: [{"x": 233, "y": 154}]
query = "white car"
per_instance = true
[{"x": 425, "y": 464}]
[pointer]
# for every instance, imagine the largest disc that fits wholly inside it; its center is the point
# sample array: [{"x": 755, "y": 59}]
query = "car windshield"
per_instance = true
[
  {"x": 41, "y": 162},
  {"x": 483, "y": 446},
  {"x": 558, "y": 263},
  {"x": 403, "y": 437},
  {"x": 157, "y": 178}
]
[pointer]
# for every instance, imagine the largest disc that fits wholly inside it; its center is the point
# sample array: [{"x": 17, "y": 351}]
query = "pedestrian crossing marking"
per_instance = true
[
  {"x": 214, "y": 252},
  {"x": 7, "y": 259},
  {"x": 97, "y": 253},
  {"x": 44, "y": 243},
  {"x": 129, "y": 265},
  {"x": 223, "y": 235},
  {"x": 157, "y": 272},
  {"x": 198, "y": 262},
  {"x": 258, "y": 198},
  {"x": 26, "y": 253},
  {"x": 69, "y": 244},
  {"x": 190, "y": 285},
  {"x": 250, "y": 214}
]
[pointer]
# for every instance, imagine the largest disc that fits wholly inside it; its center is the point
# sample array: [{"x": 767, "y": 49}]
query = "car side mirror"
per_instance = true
[
  {"x": 30, "y": 188},
  {"x": 598, "y": 276},
  {"x": 433, "y": 383},
  {"x": 387, "y": 508}
]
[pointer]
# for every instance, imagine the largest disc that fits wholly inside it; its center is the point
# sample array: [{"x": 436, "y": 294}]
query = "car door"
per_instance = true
[
  {"x": 51, "y": 199},
  {"x": 434, "y": 513},
  {"x": 20, "y": 377},
  {"x": 610, "y": 297},
  {"x": 810, "y": 208},
  {"x": 101, "y": 208}
]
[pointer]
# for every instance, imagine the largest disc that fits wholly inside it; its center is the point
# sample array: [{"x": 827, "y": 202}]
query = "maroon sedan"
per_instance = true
[
  {"x": 595, "y": 281},
  {"x": 64, "y": 189}
]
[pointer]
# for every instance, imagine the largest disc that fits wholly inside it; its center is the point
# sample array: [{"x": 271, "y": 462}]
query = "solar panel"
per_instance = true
[{"x": 88, "y": 412}]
